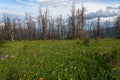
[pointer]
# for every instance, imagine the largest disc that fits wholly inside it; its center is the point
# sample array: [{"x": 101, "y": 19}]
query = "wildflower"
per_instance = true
[
  {"x": 41, "y": 78},
  {"x": 71, "y": 66},
  {"x": 113, "y": 69},
  {"x": 66, "y": 69},
  {"x": 20, "y": 79},
  {"x": 75, "y": 68},
  {"x": 28, "y": 79},
  {"x": 24, "y": 75},
  {"x": 61, "y": 65},
  {"x": 6, "y": 56},
  {"x": 36, "y": 74},
  {"x": 104, "y": 71},
  {"x": 83, "y": 70},
  {"x": 12, "y": 56}
]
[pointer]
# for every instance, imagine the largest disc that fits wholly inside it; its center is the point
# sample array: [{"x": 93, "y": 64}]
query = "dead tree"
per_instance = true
[
  {"x": 43, "y": 22},
  {"x": 44, "y": 26},
  {"x": 39, "y": 20},
  {"x": 51, "y": 29},
  {"x": 21, "y": 31},
  {"x": 2, "y": 31},
  {"x": 58, "y": 27},
  {"x": 78, "y": 24},
  {"x": 72, "y": 23},
  {"x": 61, "y": 27},
  {"x": 9, "y": 26},
  {"x": 31, "y": 27},
  {"x": 117, "y": 24},
  {"x": 53, "y": 32},
  {"x": 82, "y": 20},
  {"x": 98, "y": 27},
  {"x": 89, "y": 30}
]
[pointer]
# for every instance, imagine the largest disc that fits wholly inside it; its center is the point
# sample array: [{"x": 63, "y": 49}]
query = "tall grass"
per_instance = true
[{"x": 60, "y": 60}]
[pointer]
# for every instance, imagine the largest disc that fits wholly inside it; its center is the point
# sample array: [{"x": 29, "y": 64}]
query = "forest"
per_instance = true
[{"x": 45, "y": 27}]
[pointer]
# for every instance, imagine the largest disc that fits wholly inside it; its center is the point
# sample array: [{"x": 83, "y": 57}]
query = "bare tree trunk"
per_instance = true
[
  {"x": 10, "y": 24},
  {"x": 117, "y": 24},
  {"x": 98, "y": 27},
  {"x": 73, "y": 22},
  {"x": 82, "y": 19}
]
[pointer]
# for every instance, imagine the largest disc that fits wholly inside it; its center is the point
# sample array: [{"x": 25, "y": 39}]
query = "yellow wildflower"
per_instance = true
[
  {"x": 41, "y": 78},
  {"x": 28, "y": 79},
  {"x": 113, "y": 69},
  {"x": 104, "y": 71},
  {"x": 24, "y": 75},
  {"x": 61, "y": 65},
  {"x": 20, "y": 79},
  {"x": 84, "y": 70}
]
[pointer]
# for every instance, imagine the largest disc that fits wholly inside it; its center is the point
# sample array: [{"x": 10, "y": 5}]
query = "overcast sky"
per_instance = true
[{"x": 103, "y": 8}]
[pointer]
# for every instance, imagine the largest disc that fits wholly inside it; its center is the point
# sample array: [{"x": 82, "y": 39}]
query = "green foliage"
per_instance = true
[
  {"x": 12, "y": 74},
  {"x": 2, "y": 43},
  {"x": 86, "y": 41},
  {"x": 118, "y": 37},
  {"x": 97, "y": 40},
  {"x": 61, "y": 60}
]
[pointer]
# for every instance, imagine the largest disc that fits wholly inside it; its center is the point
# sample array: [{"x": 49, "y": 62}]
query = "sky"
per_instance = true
[{"x": 94, "y": 8}]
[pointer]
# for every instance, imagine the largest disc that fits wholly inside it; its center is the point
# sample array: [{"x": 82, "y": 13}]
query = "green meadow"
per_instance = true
[{"x": 94, "y": 59}]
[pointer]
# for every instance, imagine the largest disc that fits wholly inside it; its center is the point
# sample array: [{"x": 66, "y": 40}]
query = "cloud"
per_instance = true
[
  {"x": 57, "y": 7},
  {"x": 110, "y": 7},
  {"x": 101, "y": 13},
  {"x": 16, "y": 9},
  {"x": 103, "y": 1},
  {"x": 53, "y": 2}
]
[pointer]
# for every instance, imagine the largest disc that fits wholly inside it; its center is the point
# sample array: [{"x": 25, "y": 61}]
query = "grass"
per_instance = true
[{"x": 60, "y": 60}]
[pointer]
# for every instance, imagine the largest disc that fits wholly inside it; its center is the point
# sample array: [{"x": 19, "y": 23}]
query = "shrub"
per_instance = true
[
  {"x": 118, "y": 37},
  {"x": 86, "y": 41},
  {"x": 97, "y": 40}
]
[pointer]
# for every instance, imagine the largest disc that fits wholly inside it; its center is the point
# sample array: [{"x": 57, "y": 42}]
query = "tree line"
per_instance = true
[{"x": 48, "y": 28}]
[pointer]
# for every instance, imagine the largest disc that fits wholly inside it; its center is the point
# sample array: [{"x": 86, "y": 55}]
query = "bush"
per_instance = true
[
  {"x": 118, "y": 37},
  {"x": 86, "y": 41},
  {"x": 1, "y": 43},
  {"x": 97, "y": 40}
]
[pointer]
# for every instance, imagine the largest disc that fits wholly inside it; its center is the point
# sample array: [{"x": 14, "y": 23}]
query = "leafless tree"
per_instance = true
[
  {"x": 89, "y": 29},
  {"x": 82, "y": 20},
  {"x": 21, "y": 31},
  {"x": 58, "y": 27},
  {"x": 117, "y": 24},
  {"x": 43, "y": 19},
  {"x": 9, "y": 26},
  {"x": 51, "y": 31},
  {"x": 77, "y": 22},
  {"x": 98, "y": 27},
  {"x": 31, "y": 26},
  {"x": 47, "y": 27}
]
